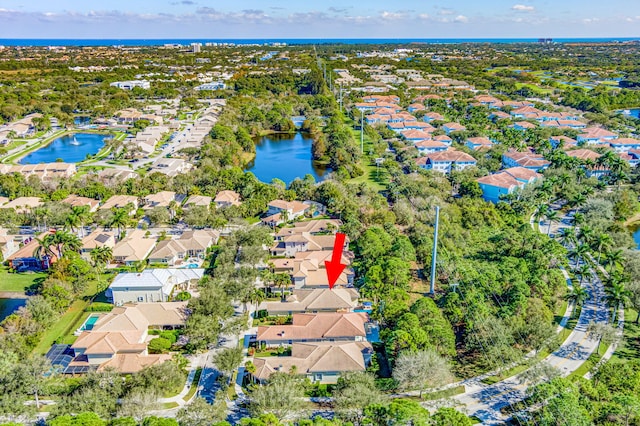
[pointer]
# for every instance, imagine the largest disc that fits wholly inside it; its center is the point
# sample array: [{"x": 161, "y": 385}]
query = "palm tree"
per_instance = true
[
  {"x": 578, "y": 252},
  {"x": 72, "y": 222},
  {"x": 586, "y": 234},
  {"x": 583, "y": 271},
  {"x": 282, "y": 280},
  {"x": 64, "y": 242},
  {"x": 552, "y": 216},
  {"x": 601, "y": 242},
  {"x": 578, "y": 200},
  {"x": 577, "y": 296},
  {"x": 101, "y": 255},
  {"x": 120, "y": 219},
  {"x": 616, "y": 295},
  {"x": 613, "y": 259},
  {"x": 257, "y": 296},
  {"x": 44, "y": 247},
  {"x": 568, "y": 236}
]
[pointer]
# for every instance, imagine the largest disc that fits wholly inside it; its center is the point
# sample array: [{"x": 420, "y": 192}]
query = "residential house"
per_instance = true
[
  {"x": 227, "y": 198},
  {"x": 45, "y": 172},
  {"x": 26, "y": 258},
  {"x": 505, "y": 182},
  {"x": 430, "y": 146},
  {"x": 625, "y": 144},
  {"x": 290, "y": 244},
  {"x": 522, "y": 125},
  {"x": 314, "y": 301},
  {"x": 120, "y": 202},
  {"x": 198, "y": 200},
  {"x": 433, "y": 116},
  {"x": 446, "y": 161},
  {"x": 632, "y": 157},
  {"x": 562, "y": 141},
  {"x": 321, "y": 327},
  {"x": 97, "y": 239},
  {"x": 134, "y": 248},
  {"x": 415, "y": 135},
  {"x": 595, "y": 136},
  {"x": 77, "y": 201},
  {"x": 589, "y": 159},
  {"x": 280, "y": 211},
  {"x": 118, "y": 340},
  {"x": 8, "y": 245},
  {"x": 190, "y": 244},
  {"x": 171, "y": 166},
  {"x": 152, "y": 285},
  {"x": 529, "y": 160},
  {"x": 479, "y": 143},
  {"x": 23, "y": 204},
  {"x": 168, "y": 252},
  {"x": 320, "y": 362},
  {"x": 162, "y": 199},
  {"x": 453, "y": 127}
]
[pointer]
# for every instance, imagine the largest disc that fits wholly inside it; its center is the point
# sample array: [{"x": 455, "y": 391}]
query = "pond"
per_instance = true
[
  {"x": 70, "y": 149},
  {"x": 8, "y": 306},
  {"x": 635, "y": 112},
  {"x": 285, "y": 157}
]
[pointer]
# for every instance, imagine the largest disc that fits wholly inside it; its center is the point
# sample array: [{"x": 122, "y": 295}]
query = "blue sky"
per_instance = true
[{"x": 318, "y": 19}]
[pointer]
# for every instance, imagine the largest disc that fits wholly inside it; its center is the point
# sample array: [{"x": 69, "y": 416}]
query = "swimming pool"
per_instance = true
[{"x": 89, "y": 322}]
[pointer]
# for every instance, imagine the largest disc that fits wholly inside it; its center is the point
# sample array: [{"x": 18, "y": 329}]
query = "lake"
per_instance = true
[
  {"x": 7, "y": 306},
  {"x": 70, "y": 149},
  {"x": 636, "y": 234},
  {"x": 285, "y": 157}
]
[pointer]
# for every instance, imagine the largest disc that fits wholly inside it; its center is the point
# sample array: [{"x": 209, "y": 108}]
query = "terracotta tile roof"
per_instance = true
[
  {"x": 583, "y": 154},
  {"x": 338, "y": 299},
  {"x": 317, "y": 326},
  {"x": 309, "y": 358},
  {"x": 133, "y": 363}
]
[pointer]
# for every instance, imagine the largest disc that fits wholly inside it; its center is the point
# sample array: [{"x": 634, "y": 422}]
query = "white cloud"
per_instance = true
[
  {"x": 523, "y": 8},
  {"x": 461, "y": 19}
]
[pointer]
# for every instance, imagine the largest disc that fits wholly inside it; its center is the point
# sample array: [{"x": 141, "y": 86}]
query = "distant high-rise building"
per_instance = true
[{"x": 196, "y": 47}]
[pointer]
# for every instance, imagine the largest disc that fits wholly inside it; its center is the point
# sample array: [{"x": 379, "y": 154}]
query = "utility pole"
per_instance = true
[
  {"x": 434, "y": 254},
  {"x": 340, "y": 101}
]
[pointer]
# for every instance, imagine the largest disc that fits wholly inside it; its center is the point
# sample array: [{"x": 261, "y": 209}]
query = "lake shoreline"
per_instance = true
[{"x": 45, "y": 143}]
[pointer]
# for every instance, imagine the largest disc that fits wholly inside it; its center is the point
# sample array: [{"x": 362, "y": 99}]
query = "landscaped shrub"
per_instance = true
[
  {"x": 99, "y": 307},
  {"x": 182, "y": 296},
  {"x": 170, "y": 335},
  {"x": 159, "y": 345}
]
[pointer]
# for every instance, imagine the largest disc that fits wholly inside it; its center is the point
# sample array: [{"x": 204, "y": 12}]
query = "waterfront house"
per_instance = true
[
  {"x": 8, "y": 245},
  {"x": 45, "y": 172},
  {"x": 320, "y": 362},
  {"x": 26, "y": 257},
  {"x": 152, "y": 285},
  {"x": 280, "y": 211},
  {"x": 227, "y": 198},
  {"x": 505, "y": 182}
]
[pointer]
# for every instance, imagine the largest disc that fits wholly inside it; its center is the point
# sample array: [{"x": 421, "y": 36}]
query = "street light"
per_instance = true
[{"x": 362, "y": 131}]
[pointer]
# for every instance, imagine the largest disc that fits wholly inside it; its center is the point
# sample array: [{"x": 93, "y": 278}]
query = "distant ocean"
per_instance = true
[{"x": 291, "y": 41}]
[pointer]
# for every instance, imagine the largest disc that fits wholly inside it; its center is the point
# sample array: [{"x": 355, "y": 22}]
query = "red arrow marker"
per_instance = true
[{"x": 334, "y": 267}]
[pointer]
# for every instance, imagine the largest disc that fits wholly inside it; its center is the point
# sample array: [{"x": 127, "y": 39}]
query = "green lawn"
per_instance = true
[
  {"x": 377, "y": 179},
  {"x": 63, "y": 327},
  {"x": 194, "y": 386},
  {"x": 630, "y": 349},
  {"x": 18, "y": 282}
]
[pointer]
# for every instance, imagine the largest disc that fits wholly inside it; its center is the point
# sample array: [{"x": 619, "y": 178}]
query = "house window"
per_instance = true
[
  {"x": 140, "y": 299},
  {"x": 318, "y": 377}
]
